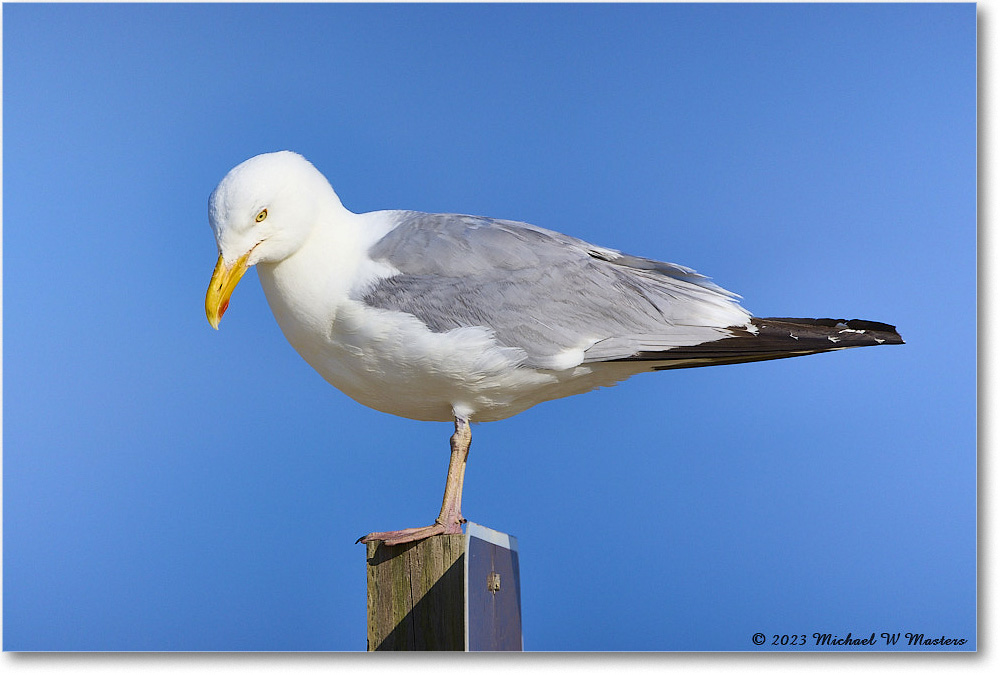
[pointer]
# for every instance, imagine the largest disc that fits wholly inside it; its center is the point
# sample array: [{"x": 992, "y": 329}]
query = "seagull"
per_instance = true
[{"x": 448, "y": 317}]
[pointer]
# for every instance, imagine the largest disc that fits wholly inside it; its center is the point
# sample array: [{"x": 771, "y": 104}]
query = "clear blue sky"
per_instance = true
[{"x": 169, "y": 487}]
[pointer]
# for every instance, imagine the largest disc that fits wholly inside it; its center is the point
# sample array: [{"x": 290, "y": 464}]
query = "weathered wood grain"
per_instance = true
[{"x": 416, "y": 595}]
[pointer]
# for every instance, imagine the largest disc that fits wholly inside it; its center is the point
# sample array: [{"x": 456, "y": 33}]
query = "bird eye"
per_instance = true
[{"x": 261, "y": 216}]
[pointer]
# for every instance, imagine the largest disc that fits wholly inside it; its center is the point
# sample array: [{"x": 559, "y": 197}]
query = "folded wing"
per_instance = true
[{"x": 548, "y": 294}]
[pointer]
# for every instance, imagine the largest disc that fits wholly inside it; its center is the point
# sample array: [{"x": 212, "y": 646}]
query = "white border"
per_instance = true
[{"x": 492, "y": 536}]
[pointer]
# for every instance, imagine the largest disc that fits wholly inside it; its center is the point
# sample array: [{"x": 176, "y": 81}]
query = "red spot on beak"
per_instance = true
[{"x": 223, "y": 307}]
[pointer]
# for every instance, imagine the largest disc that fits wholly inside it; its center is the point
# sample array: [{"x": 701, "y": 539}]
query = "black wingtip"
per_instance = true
[
  {"x": 775, "y": 338},
  {"x": 875, "y": 331}
]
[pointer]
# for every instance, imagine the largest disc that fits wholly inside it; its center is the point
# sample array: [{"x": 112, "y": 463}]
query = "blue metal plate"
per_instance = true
[{"x": 492, "y": 591}]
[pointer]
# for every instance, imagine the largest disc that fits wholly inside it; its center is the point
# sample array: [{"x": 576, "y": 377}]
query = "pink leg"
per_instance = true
[{"x": 450, "y": 520}]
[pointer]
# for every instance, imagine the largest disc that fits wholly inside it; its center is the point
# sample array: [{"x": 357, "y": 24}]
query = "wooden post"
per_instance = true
[
  {"x": 449, "y": 592},
  {"x": 415, "y": 595}
]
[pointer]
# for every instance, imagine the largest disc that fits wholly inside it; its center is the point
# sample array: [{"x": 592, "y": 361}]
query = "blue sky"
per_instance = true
[{"x": 169, "y": 487}]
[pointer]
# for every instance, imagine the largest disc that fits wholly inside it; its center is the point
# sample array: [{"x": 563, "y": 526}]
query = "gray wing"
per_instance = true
[{"x": 545, "y": 292}]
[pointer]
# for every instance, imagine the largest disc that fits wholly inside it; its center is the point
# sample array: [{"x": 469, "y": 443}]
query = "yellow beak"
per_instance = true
[{"x": 224, "y": 280}]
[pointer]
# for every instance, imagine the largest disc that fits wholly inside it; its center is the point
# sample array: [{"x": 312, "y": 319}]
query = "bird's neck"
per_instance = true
[{"x": 305, "y": 289}]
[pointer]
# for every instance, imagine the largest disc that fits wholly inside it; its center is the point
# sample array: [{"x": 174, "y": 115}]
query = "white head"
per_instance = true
[{"x": 262, "y": 211}]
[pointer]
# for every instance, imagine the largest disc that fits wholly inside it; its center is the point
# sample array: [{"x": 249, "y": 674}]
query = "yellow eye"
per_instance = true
[{"x": 261, "y": 216}]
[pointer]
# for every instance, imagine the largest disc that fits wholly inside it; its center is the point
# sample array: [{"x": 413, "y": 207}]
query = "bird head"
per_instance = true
[{"x": 262, "y": 211}]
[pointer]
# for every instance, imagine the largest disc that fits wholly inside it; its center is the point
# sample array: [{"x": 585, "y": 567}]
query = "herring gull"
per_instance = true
[{"x": 448, "y": 317}]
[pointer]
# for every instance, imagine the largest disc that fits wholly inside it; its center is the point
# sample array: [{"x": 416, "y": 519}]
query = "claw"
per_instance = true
[{"x": 395, "y": 537}]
